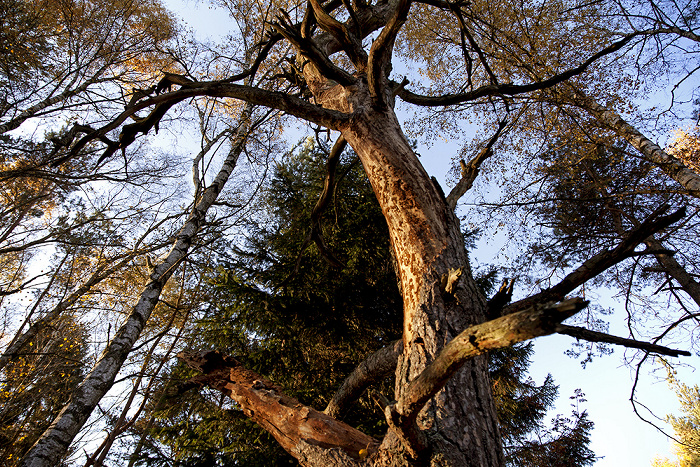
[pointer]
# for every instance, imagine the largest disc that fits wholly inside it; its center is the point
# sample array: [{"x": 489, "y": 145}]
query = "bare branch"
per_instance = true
[
  {"x": 512, "y": 89},
  {"x": 593, "y": 336},
  {"x": 380, "y": 54},
  {"x": 603, "y": 260},
  {"x": 377, "y": 366},
  {"x": 302, "y": 431},
  {"x": 471, "y": 171},
  {"x": 350, "y": 43}
]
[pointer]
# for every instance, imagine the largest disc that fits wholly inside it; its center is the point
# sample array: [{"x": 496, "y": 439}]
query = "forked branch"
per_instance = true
[
  {"x": 537, "y": 320},
  {"x": 381, "y": 51}
]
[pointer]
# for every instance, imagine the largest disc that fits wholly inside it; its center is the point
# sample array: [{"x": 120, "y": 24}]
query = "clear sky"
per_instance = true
[{"x": 619, "y": 435}]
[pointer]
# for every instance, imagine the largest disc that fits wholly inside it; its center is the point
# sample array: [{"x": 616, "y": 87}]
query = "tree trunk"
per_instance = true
[
  {"x": 439, "y": 294},
  {"x": 649, "y": 150},
  {"x": 52, "y": 446}
]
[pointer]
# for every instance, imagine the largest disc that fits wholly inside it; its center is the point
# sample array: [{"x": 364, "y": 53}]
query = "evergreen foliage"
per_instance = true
[{"x": 307, "y": 330}]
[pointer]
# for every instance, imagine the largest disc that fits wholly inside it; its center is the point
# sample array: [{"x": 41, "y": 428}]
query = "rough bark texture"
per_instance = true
[
  {"x": 536, "y": 321},
  {"x": 315, "y": 438},
  {"x": 460, "y": 422},
  {"x": 54, "y": 443}
]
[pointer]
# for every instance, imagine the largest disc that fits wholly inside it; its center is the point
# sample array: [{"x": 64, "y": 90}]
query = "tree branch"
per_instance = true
[
  {"x": 271, "y": 99},
  {"x": 381, "y": 51},
  {"x": 471, "y": 171},
  {"x": 603, "y": 260},
  {"x": 511, "y": 89},
  {"x": 378, "y": 365},
  {"x": 537, "y": 320},
  {"x": 308, "y": 49},
  {"x": 302, "y": 431},
  {"x": 651, "y": 151},
  {"x": 350, "y": 43},
  {"x": 316, "y": 233},
  {"x": 594, "y": 336}
]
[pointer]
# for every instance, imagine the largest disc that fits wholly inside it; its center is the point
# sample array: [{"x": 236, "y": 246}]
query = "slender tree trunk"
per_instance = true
[
  {"x": 22, "y": 338},
  {"x": 53, "y": 444},
  {"x": 675, "y": 270},
  {"x": 651, "y": 151}
]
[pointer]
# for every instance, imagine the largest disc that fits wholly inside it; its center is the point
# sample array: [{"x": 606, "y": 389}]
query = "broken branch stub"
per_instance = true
[{"x": 307, "y": 434}]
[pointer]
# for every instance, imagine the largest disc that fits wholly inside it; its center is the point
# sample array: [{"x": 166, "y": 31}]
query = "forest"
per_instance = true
[{"x": 232, "y": 251}]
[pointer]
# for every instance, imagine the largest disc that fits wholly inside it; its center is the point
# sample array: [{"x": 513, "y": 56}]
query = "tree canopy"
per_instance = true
[{"x": 139, "y": 167}]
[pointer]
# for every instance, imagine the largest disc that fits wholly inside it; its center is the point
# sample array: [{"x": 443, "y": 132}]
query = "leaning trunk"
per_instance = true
[
  {"x": 649, "y": 150},
  {"x": 54, "y": 443}
]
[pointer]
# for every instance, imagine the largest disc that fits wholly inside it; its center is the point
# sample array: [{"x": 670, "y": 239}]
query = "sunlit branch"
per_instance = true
[
  {"x": 537, "y": 320},
  {"x": 471, "y": 171},
  {"x": 350, "y": 42},
  {"x": 308, "y": 49},
  {"x": 302, "y": 431}
]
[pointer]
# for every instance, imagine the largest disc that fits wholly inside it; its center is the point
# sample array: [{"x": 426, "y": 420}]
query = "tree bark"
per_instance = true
[
  {"x": 312, "y": 437},
  {"x": 460, "y": 422},
  {"x": 675, "y": 270}
]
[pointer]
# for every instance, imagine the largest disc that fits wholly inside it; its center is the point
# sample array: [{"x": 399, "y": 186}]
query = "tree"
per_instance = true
[
  {"x": 278, "y": 288},
  {"x": 37, "y": 385},
  {"x": 687, "y": 426},
  {"x": 330, "y": 65}
]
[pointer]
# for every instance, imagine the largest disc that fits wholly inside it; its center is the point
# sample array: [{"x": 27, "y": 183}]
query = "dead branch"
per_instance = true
[
  {"x": 301, "y": 430},
  {"x": 471, "y": 171},
  {"x": 316, "y": 233},
  {"x": 594, "y": 336}
]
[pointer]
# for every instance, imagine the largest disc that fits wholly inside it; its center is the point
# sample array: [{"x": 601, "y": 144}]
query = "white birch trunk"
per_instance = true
[
  {"x": 53, "y": 444},
  {"x": 651, "y": 151}
]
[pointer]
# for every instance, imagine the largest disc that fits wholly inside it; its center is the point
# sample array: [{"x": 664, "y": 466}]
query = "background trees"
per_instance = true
[{"x": 86, "y": 190}]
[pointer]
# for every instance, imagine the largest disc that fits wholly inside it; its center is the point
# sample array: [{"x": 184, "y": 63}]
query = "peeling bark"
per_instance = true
[
  {"x": 312, "y": 437},
  {"x": 460, "y": 421}
]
